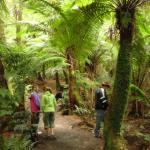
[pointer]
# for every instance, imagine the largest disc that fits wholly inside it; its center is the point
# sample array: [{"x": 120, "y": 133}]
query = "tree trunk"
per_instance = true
[
  {"x": 58, "y": 86},
  {"x": 3, "y": 82},
  {"x": 72, "y": 80},
  {"x": 43, "y": 71},
  {"x": 1, "y": 133},
  {"x": 115, "y": 116},
  {"x": 66, "y": 76},
  {"x": 18, "y": 17}
]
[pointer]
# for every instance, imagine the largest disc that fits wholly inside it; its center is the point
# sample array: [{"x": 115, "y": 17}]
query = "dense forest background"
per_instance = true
[{"x": 78, "y": 45}]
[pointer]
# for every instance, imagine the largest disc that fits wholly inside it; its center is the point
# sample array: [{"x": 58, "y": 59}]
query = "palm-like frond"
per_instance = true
[
  {"x": 44, "y": 7},
  {"x": 127, "y": 4},
  {"x": 76, "y": 32},
  {"x": 139, "y": 92},
  {"x": 34, "y": 26},
  {"x": 96, "y": 10},
  {"x": 3, "y": 6}
]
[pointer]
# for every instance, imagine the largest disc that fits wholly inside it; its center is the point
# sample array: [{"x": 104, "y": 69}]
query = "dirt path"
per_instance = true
[{"x": 69, "y": 136}]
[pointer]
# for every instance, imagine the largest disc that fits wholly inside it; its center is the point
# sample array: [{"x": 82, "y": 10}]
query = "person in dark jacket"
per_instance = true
[{"x": 101, "y": 104}]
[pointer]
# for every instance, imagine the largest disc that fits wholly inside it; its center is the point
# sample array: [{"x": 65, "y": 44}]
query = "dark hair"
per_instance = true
[
  {"x": 105, "y": 84},
  {"x": 47, "y": 89}
]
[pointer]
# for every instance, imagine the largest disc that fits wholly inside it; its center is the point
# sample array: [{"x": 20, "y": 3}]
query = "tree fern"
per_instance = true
[{"x": 140, "y": 93}]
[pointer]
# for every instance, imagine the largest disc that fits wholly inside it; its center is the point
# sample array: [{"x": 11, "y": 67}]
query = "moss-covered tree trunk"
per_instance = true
[
  {"x": 66, "y": 76},
  {"x": 43, "y": 71},
  {"x": 72, "y": 79},
  {"x": 18, "y": 9},
  {"x": 112, "y": 131},
  {"x": 3, "y": 82},
  {"x": 58, "y": 85},
  {"x": 18, "y": 17}
]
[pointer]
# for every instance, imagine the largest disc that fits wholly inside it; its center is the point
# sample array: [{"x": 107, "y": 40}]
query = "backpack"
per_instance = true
[{"x": 101, "y": 99}]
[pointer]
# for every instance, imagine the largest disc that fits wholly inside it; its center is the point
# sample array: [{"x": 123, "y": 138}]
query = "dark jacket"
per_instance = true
[{"x": 101, "y": 101}]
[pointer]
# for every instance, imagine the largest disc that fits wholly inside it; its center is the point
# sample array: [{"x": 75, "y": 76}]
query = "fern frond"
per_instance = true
[
  {"x": 139, "y": 92},
  {"x": 42, "y": 6}
]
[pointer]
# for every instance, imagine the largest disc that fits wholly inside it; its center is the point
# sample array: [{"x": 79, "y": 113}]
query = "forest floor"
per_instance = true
[
  {"x": 73, "y": 134},
  {"x": 69, "y": 136}
]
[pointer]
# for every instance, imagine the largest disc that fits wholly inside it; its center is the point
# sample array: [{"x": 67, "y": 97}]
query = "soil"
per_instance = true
[
  {"x": 69, "y": 136},
  {"x": 137, "y": 133},
  {"x": 72, "y": 134}
]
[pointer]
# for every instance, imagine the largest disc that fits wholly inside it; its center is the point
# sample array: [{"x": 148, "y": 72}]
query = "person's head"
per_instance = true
[
  {"x": 105, "y": 85},
  {"x": 35, "y": 88},
  {"x": 47, "y": 89}
]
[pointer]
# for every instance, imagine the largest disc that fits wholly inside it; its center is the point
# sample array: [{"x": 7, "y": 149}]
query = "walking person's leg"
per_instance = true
[
  {"x": 46, "y": 122},
  {"x": 51, "y": 129},
  {"x": 99, "y": 120}
]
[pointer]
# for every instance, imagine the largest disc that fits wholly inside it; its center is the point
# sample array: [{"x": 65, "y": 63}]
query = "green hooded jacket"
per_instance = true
[{"x": 48, "y": 103}]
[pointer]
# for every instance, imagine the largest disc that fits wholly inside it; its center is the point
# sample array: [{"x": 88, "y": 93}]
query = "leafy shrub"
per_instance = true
[
  {"x": 7, "y": 102},
  {"x": 16, "y": 143},
  {"x": 82, "y": 111}
]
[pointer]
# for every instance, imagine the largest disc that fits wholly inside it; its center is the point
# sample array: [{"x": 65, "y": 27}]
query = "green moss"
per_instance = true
[
  {"x": 112, "y": 131},
  {"x": 1, "y": 143}
]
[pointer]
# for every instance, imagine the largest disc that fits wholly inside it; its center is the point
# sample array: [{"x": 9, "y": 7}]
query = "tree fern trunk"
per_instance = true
[
  {"x": 1, "y": 136},
  {"x": 113, "y": 124},
  {"x": 57, "y": 81},
  {"x": 66, "y": 76},
  {"x": 3, "y": 82},
  {"x": 72, "y": 80},
  {"x": 18, "y": 17},
  {"x": 43, "y": 71}
]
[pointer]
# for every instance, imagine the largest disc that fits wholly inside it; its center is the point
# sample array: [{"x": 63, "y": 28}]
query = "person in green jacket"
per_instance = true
[{"x": 48, "y": 106}]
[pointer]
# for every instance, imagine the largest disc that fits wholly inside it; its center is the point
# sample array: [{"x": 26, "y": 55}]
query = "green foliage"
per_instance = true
[
  {"x": 82, "y": 111},
  {"x": 45, "y": 8},
  {"x": 19, "y": 66},
  {"x": 3, "y": 7},
  {"x": 74, "y": 33},
  {"x": 143, "y": 136},
  {"x": 65, "y": 103},
  {"x": 96, "y": 10},
  {"x": 84, "y": 81},
  {"x": 140, "y": 94},
  {"x": 18, "y": 62},
  {"x": 21, "y": 122},
  {"x": 16, "y": 143},
  {"x": 8, "y": 102}
]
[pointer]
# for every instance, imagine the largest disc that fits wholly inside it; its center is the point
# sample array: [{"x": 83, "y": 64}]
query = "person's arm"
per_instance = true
[
  {"x": 30, "y": 96},
  {"x": 96, "y": 94},
  {"x": 95, "y": 98},
  {"x": 43, "y": 103},
  {"x": 106, "y": 97},
  {"x": 37, "y": 101},
  {"x": 55, "y": 103}
]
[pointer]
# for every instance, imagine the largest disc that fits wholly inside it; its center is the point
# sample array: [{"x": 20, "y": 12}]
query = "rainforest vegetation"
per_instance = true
[{"x": 73, "y": 46}]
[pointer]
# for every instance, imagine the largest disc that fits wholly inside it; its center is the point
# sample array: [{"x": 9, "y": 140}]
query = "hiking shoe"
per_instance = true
[{"x": 39, "y": 132}]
